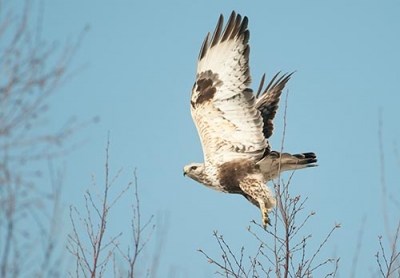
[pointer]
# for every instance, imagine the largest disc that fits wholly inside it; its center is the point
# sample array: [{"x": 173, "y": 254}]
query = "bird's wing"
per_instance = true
[
  {"x": 222, "y": 106},
  {"x": 268, "y": 100}
]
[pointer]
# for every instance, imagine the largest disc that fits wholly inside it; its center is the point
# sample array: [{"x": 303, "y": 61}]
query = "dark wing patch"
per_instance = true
[
  {"x": 268, "y": 100},
  {"x": 206, "y": 90},
  {"x": 205, "y": 87}
]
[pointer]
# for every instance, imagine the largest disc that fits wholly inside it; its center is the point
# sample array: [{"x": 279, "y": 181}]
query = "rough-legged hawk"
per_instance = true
[{"x": 234, "y": 124}]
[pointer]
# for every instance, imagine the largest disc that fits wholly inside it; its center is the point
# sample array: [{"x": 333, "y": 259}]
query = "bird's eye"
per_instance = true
[{"x": 193, "y": 168}]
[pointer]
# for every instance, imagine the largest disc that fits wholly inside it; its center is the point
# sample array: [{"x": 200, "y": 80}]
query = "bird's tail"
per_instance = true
[{"x": 275, "y": 163}]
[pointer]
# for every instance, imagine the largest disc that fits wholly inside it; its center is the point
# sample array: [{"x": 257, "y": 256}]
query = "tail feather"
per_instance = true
[
  {"x": 305, "y": 158},
  {"x": 275, "y": 163}
]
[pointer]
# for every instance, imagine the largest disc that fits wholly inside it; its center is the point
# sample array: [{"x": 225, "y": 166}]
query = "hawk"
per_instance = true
[{"x": 234, "y": 124}]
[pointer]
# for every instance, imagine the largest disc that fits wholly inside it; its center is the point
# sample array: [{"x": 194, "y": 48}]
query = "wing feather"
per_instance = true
[
  {"x": 222, "y": 106},
  {"x": 268, "y": 100}
]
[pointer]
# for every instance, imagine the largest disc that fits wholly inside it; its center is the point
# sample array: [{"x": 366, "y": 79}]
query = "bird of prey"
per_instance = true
[{"x": 234, "y": 124}]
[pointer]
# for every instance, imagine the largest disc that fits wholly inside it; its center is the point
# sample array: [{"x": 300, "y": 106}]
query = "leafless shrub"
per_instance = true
[
  {"x": 141, "y": 234},
  {"x": 389, "y": 266},
  {"x": 31, "y": 71},
  {"x": 388, "y": 261},
  {"x": 283, "y": 252},
  {"x": 94, "y": 260}
]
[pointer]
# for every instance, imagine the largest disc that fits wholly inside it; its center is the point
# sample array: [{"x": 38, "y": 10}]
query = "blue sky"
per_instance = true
[{"x": 139, "y": 63}]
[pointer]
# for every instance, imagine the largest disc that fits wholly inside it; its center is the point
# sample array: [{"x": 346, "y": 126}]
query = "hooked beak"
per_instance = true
[{"x": 184, "y": 173}]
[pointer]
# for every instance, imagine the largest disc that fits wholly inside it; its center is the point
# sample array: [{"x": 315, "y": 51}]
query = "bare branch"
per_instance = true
[
  {"x": 93, "y": 261},
  {"x": 387, "y": 265}
]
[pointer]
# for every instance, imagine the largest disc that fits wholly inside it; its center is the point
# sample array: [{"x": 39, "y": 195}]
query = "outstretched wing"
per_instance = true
[
  {"x": 268, "y": 100},
  {"x": 222, "y": 106}
]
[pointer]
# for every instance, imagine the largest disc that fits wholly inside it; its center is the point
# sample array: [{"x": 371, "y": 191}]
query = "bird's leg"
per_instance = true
[{"x": 264, "y": 214}]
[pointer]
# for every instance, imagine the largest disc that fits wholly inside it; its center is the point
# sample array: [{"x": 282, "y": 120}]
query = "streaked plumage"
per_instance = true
[{"x": 233, "y": 123}]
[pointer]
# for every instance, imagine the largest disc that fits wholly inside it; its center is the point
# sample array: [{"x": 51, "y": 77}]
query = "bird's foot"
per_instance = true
[
  {"x": 264, "y": 213},
  {"x": 266, "y": 220}
]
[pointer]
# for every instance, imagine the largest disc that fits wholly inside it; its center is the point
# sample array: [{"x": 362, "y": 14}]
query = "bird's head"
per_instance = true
[{"x": 194, "y": 171}]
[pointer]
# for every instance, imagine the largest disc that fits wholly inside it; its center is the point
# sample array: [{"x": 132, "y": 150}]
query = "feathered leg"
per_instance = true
[
  {"x": 261, "y": 196},
  {"x": 264, "y": 213}
]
